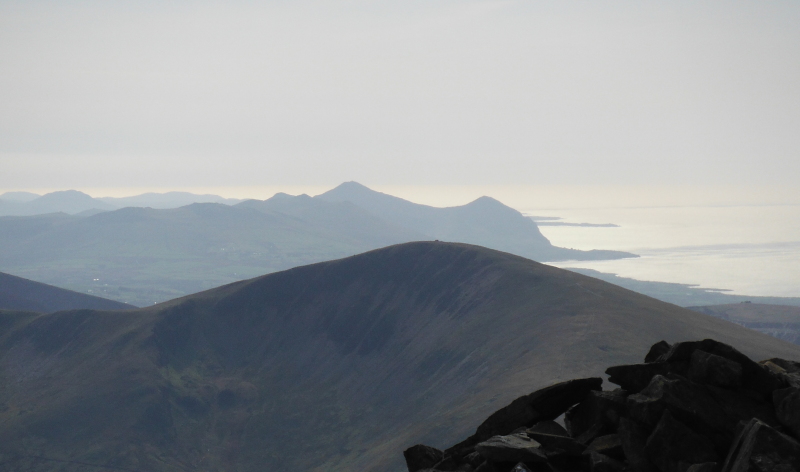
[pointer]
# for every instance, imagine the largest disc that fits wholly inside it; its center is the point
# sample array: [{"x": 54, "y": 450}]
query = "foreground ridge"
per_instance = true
[{"x": 699, "y": 406}]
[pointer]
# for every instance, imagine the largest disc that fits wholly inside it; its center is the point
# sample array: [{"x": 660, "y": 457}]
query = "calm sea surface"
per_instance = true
[{"x": 750, "y": 250}]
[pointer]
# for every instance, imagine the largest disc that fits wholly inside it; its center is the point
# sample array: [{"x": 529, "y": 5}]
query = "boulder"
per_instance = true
[
  {"x": 600, "y": 463},
  {"x": 635, "y": 377},
  {"x": 673, "y": 442},
  {"x": 555, "y": 443},
  {"x": 761, "y": 448},
  {"x": 704, "y": 467},
  {"x": 755, "y": 376},
  {"x": 597, "y": 407},
  {"x": 548, "y": 427},
  {"x": 609, "y": 445},
  {"x": 742, "y": 405},
  {"x": 545, "y": 404},
  {"x": 421, "y": 457},
  {"x": 787, "y": 408},
  {"x": 512, "y": 448},
  {"x": 714, "y": 370},
  {"x": 633, "y": 436},
  {"x": 595, "y": 431},
  {"x": 656, "y": 350},
  {"x": 790, "y": 367},
  {"x": 690, "y": 403}
]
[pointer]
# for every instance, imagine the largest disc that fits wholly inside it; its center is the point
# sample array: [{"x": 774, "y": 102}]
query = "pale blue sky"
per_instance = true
[{"x": 206, "y": 94}]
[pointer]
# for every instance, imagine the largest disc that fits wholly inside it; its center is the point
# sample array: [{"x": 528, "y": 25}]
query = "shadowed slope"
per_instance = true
[
  {"x": 333, "y": 366},
  {"x": 21, "y": 294}
]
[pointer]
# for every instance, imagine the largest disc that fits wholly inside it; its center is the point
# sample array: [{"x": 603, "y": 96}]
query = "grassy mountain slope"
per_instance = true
[
  {"x": 21, "y": 294},
  {"x": 485, "y": 222},
  {"x": 333, "y": 366}
]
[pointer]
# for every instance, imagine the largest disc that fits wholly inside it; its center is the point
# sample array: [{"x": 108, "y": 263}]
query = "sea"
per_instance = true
[{"x": 748, "y": 250}]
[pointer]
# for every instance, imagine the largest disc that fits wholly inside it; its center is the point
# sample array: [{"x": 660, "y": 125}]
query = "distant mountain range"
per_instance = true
[
  {"x": 338, "y": 365},
  {"x": 74, "y": 202},
  {"x": 144, "y": 255},
  {"x": 21, "y": 294}
]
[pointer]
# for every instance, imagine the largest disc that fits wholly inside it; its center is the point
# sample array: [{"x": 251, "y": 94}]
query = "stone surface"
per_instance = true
[
  {"x": 609, "y": 445},
  {"x": 421, "y": 457},
  {"x": 760, "y": 448},
  {"x": 673, "y": 442},
  {"x": 755, "y": 376},
  {"x": 554, "y": 442},
  {"x": 545, "y": 404},
  {"x": 548, "y": 427},
  {"x": 597, "y": 407},
  {"x": 635, "y": 377},
  {"x": 787, "y": 408},
  {"x": 601, "y": 463},
  {"x": 704, "y": 467},
  {"x": 511, "y": 448},
  {"x": 656, "y": 350},
  {"x": 633, "y": 437},
  {"x": 689, "y": 403},
  {"x": 714, "y": 370}
]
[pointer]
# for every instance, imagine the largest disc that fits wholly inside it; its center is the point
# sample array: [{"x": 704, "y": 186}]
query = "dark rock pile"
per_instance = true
[{"x": 698, "y": 406}]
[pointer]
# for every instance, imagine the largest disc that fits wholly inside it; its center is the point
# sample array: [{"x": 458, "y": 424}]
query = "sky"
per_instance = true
[{"x": 501, "y": 94}]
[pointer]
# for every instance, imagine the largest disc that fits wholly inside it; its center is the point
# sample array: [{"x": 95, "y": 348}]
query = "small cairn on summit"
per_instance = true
[{"x": 699, "y": 406}]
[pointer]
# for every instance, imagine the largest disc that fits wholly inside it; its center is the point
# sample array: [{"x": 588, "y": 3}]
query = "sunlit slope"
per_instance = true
[
  {"x": 21, "y": 294},
  {"x": 332, "y": 366}
]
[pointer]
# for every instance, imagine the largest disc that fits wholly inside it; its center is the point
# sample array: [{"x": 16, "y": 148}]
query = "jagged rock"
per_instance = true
[
  {"x": 760, "y": 448},
  {"x": 656, "y": 350},
  {"x": 548, "y": 427},
  {"x": 788, "y": 371},
  {"x": 485, "y": 467},
  {"x": 474, "y": 459},
  {"x": 635, "y": 377},
  {"x": 609, "y": 445},
  {"x": 595, "y": 431},
  {"x": 704, "y": 467},
  {"x": 714, "y": 370},
  {"x": 689, "y": 403},
  {"x": 755, "y": 377},
  {"x": 742, "y": 405},
  {"x": 545, "y": 404},
  {"x": 448, "y": 464},
  {"x": 597, "y": 407},
  {"x": 421, "y": 457},
  {"x": 552, "y": 442},
  {"x": 693, "y": 403},
  {"x": 601, "y": 463},
  {"x": 672, "y": 442},
  {"x": 787, "y": 408},
  {"x": 511, "y": 448},
  {"x": 790, "y": 367},
  {"x": 633, "y": 437}
]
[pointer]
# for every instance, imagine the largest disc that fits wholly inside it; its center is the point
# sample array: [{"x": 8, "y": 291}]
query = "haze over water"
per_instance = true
[{"x": 750, "y": 250}]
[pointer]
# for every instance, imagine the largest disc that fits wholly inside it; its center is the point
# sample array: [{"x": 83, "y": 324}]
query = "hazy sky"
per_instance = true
[{"x": 182, "y": 94}]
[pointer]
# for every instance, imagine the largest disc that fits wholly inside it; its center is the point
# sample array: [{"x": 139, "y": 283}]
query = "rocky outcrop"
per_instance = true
[{"x": 698, "y": 406}]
